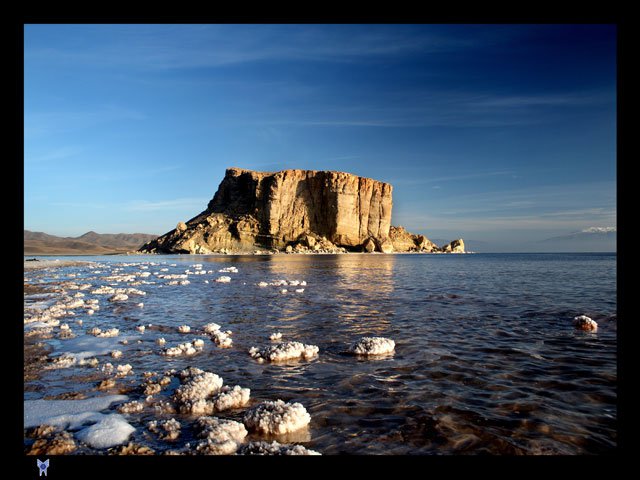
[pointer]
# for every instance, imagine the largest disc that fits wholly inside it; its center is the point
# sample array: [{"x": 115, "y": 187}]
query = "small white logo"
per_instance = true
[{"x": 43, "y": 467}]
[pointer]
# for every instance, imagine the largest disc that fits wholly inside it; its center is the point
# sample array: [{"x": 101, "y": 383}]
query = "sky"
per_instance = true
[{"x": 498, "y": 133}]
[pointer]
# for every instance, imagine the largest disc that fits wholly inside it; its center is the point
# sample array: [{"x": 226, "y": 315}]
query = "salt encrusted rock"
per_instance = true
[
  {"x": 284, "y": 351},
  {"x": 184, "y": 329},
  {"x": 228, "y": 270},
  {"x": 274, "y": 337},
  {"x": 182, "y": 349},
  {"x": 119, "y": 297},
  {"x": 223, "y": 279},
  {"x": 161, "y": 341},
  {"x": 222, "y": 339},
  {"x": 222, "y": 436},
  {"x": 274, "y": 448},
  {"x": 188, "y": 373},
  {"x": 103, "y": 290},
  {"x": 373, "y": 346},
  {"x": 131, "y": 407},
  {"x": 191, "y": 397},
  {"x": 583, "y": 322},
  {"x": 152, "y": 389},
  {"x": 59, "y": 443},
  {"x": 116, "y": 353},
  {"x": 276, "y": 417},
  {"x": 198, "y": 343},
  {"x": 229, "y": 398},
  {"x": 124, "y": 370},
  {"x": 131, "y": 449},
  {"x": 166, "y": 430},
  {"x": 211, "y": 327}
]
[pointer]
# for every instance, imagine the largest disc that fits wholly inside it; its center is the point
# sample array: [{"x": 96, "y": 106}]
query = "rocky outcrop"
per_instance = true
[
  {"x": 404, "y": 241},
  {"x": 304, "y": 209},
  {"x": 456, "y": 246},
  {"x": 295, "y": 211}
]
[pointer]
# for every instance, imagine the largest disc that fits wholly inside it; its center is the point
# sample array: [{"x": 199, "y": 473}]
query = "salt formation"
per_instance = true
[
  {"x": 53, "y": 443},
  {"x": 96, "y": 332},
  {"x": 299, "y": 290},
  {"x": 263, "y": 284},
  {"x": 182, "y": 349},
  {"x": 228, "y": 270},
  {"x": 166, "y": 430},
  {"x": 274, "y": 337},
  {"x": 229, "y": 398},
  {"x": 103, "y": 290},
  {"x": 161, "y": 341},
  {"x": 131, "y": 407},
  {"x": 132, "y": 449},
  {"x": 116, "y": 353},
  {"x": 198, "y": 343},
  {"x": 140, "y": 328},
  {"x": 284, "y": 351},
  {"x": 222, "y": 436},
  {"x": 140, "y": 305},
  {"x": 583, "y": 322},
  {"x": 223, "y": 279},
  {"x": 222, "y": 339},
  {"x": 108, "y": 432},
  {"x": 119, "y": 297},
  {"x": 211, "y": 327},
  {"x": 373, "y": 346},
  {"x": 124, "y": 370},
  {"x": 191, "y": 397},
  {"x": 184, "y": 329},
  {"x": 276, "y": 417},
  {"x": 274, "y": 448}
]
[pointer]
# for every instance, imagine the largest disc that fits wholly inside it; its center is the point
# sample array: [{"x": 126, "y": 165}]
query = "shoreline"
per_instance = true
[{"x": 35, "y": 265}]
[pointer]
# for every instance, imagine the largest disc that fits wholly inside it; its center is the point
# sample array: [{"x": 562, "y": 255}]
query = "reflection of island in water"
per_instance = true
[{"x": 357, "y": 290}]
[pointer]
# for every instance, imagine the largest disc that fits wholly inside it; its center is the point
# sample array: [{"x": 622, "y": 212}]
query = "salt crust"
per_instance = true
[
  {"x": 583, "y": 322},
  {"x": 276, "y": 417},
  {"x": 373, "y": 346},
  {"x": 222, "y": 436},
  {"x": 166, "y": 430},
  {"x": 284, "y": 351},
  {"x": 274, "y": 448}
]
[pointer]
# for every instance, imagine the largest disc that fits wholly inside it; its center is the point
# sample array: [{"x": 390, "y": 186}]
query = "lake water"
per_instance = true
[{"x": 486, "y": 361}]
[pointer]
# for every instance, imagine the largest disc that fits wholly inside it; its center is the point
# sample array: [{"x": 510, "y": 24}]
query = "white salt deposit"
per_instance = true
[
  {"x": 116, "y": 354},
  {"x": 119, "y": 297},
  {"x": 583, "y": 322},
  {"x": 276, "y": 417},
  {"x": 103, "y": 290},
  {"x": 284, "y": 290},
  {"x": 373, "y": 346},
  {"x": 284, "y": 351},
  {"x": 274, "y": 337},
  {"x": 198, "y": 343},
  {"x": 186, "y": 348},
  {"x": 274, "y": 448},
  {"x": 61, "y": 412},
  {"x": 191, "y": 397},
  {"x": 222, "y": 436},
  {"x": 112, "y": 430},
  {"x": 112, "y": 332},
  {"x": 124, "y": 370},
  {"x": 140, "y": 328},
  {"x": 131, "y": 407},
  {"x": 223, "y": 279},
  {"x": 166, "y": 430},
  {"x": 263, "y": 284},
  {"x": 140, "y": 305},
  {"x": 211, "y": 327},
  {"x": 161, "y": 341},
  {"x": 89, "y": 312},
  {"x": 299, "y": 290},
  {"x": 228, "y": 270},
  {"x": 229, "y": 398},
  {"x": 184, "y": 329}
]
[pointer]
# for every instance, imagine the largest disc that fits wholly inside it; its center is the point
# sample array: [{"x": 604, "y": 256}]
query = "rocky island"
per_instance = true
[{"x": 295, "y": 211}]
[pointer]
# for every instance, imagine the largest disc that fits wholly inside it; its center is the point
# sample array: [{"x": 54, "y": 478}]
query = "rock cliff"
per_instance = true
[
  {"x": 320, "y": 210},
  {"x": 295, "y": 211}
]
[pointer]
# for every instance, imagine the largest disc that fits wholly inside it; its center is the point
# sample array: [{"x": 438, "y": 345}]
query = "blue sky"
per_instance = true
[{"x": 499, "y": 133}]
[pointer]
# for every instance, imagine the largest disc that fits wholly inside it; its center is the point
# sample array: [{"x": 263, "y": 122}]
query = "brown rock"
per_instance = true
[
  {"x": 404, "y": 241},
  {"x": 271, "y": 210},
  {"x": 369, "y": 246},
  {"x": 456, "y": 246}
]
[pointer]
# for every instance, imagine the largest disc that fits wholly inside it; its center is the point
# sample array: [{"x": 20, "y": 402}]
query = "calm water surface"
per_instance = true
[{"x": 486, "y": 361}]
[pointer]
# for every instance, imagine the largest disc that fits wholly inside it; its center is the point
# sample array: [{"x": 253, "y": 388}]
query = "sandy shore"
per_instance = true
[{"x": 33, "y": 265}]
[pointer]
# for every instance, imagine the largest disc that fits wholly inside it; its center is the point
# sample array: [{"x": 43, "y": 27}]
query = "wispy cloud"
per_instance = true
[{"x": 168, "y": 205}]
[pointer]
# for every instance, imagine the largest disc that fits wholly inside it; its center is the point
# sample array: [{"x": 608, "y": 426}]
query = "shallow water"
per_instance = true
[{"x": 486, "y": 360}]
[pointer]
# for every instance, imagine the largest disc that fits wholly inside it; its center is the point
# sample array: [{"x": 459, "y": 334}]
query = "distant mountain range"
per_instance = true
[
  {"x": 593, "y": 239},
  {"x": 91, "y": 243}
]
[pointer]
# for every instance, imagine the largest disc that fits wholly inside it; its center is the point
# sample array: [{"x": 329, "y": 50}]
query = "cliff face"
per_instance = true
[{"x": 319, "y": 209}]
